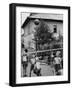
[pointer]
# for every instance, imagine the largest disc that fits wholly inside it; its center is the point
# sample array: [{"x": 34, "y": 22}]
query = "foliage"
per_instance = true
[{"x": 42, "y": 34}]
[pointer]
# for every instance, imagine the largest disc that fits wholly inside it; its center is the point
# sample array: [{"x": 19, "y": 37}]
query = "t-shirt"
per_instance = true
[
  {"x": 57, "y": 60},
  {"x": 24, "y": 58},
  {"x": 37, "y": 65},
  {"x": 33, "y": 60}
]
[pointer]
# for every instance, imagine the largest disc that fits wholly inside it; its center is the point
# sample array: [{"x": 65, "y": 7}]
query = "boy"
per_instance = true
[
  {"x": 25, "y": 62},
  {"x": 57, "y": 62},
  {"x": 32, "y": 61},
  {"x": 37, "y": 67}
]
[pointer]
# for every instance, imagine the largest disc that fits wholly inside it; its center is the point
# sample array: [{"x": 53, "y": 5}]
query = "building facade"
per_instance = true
[{"x": 54, "y": 22}]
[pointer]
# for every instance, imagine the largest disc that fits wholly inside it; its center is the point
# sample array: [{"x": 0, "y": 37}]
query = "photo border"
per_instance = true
[{"x": 12, "y": 43}]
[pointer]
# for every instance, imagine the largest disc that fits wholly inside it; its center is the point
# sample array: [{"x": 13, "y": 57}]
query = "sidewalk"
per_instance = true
[{"x": 46, "y": 70}]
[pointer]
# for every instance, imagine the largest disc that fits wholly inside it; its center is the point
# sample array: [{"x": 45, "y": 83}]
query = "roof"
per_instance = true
[
  {"x": 47, "y": 16},
  {"x": 44, "y": 16}
]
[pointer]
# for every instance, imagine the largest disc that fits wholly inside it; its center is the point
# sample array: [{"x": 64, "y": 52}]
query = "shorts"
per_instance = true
[
  {"x": 25, "y": 64},
  {"x": 57, "y": 67}
]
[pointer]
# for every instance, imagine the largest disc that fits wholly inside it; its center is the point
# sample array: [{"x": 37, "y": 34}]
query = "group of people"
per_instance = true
[
  {"x": 35, "y": 67},
  {"x": 34, "y": 64}
]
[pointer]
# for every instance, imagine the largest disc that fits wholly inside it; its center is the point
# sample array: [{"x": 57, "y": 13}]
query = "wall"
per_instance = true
[
  {"x": 4, "y": 45},
  {"x": 29, "y": 35},
  {"x": 59, "y": 27},
  {"x": 29, "y": 30}
]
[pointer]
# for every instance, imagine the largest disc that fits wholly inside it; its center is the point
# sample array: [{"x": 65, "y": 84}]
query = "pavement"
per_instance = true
[{"x": 46, "y": 70}]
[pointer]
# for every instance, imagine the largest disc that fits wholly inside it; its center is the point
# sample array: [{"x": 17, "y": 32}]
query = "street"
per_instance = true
[{"x": 46, "y": 70}]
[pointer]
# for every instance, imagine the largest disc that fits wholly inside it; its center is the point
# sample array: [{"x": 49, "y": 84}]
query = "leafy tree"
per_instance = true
[{"x": 42, "y": 34}]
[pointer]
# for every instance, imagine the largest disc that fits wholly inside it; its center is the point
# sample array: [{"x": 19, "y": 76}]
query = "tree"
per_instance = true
[{"x": 42, "y": 34}]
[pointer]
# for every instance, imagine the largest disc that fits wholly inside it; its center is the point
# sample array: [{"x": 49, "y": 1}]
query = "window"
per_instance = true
[{"x": 55, "y": 28}]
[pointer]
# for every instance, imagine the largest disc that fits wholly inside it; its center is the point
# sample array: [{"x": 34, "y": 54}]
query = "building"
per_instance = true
[{"x": 54, "y": 21}]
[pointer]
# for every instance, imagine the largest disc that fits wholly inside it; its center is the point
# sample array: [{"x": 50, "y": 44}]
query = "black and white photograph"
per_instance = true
[{"x": 39, "y": 44}]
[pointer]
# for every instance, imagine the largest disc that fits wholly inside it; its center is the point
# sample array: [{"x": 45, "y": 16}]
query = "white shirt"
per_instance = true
[
  {"x": 33, "y": 60},
  {"x": 24, "y": 58},
  {"x": 37, "y": 65},
  {"x": 57, "y": 60}
]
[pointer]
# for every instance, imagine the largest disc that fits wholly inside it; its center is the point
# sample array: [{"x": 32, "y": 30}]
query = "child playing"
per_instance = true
[
  {"x": 57, "y": 62},
  {"x": 32, "y": 61},
  {"x": 25, "y": 62},
  {"x": 37, "y": 67}
]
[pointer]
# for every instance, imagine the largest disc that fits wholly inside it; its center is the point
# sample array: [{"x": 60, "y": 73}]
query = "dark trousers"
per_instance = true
[
  {"x": 25, "y": 64},
  {"x": 57, "y": 67},
  {"x": 32, "y": 67}
]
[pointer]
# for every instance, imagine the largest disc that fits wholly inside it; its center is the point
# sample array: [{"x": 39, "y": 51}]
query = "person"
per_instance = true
[
  {"x": 57, "y": 63},
  {"x": 60, "y": 72},
  {"x": 32, "y": 61},
  {"x": 52, "y": 65},
  {"x": 25, "y": 62},
  {"x": 37, "y": 67},
  {"x": 52, "y": 58}
]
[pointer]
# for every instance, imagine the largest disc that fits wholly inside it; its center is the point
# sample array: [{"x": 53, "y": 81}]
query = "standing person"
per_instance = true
[
  {"x": 32, "y": 61},
  {"x": 52, "y": 58},
  {"x": 57, "y": 62},
  {"x": 25, "y": 62},
  {"x": 60, "y": 71},
  {"x": 37, "y": 67},
  {"x": 52, "y": 65}
]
